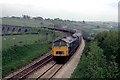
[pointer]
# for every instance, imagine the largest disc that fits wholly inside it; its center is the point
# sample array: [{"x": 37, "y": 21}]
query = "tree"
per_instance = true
[
  {"x": 83, "y": 21},
  {"x": 101, "y": 58},
  {"x": 38, "y": 18},
  {"x": 109, "y": 42},
  {"x": 98, "y": 26},
  {"x": 93, "y": 64}
]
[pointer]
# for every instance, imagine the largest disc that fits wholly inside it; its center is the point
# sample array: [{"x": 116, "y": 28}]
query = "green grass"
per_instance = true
[
  {"x": 100, "y": 30},
  {"x": 0, "y": 56},
  {"x": 0, "y": 64},
  {"x": 100, "y": 58},
  {"x": 20, "y": 40},
  {"x": 16, "y": 54},
  {"x": 17, "y": 57},
  {"x": 24, "y": 22}
]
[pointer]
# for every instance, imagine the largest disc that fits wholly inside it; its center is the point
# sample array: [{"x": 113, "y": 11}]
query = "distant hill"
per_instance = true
[
  {"x": 25, "y": 22},
  {"x": 89, "y": 27}
]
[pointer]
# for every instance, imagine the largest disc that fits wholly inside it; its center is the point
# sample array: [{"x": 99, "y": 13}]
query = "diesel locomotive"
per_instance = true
[{"x": 64, "y": 47}]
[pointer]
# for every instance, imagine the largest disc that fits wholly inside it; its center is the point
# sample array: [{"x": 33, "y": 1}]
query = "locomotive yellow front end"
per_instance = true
[{"x": 60, "y": 50}]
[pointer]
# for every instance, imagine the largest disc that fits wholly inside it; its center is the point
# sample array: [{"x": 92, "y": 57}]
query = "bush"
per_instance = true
[
  {"x": 100, "y": 58},
  {"x": 17, "y": 57}
]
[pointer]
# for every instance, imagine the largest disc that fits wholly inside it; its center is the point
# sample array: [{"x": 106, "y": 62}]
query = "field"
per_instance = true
[
  {"x": 18, "y": 57},
  {"x": 91, "y": 26},
  {"x": 0, "y": 56},
  {"x": 20, "y": 40},
  {"x": 19, "y": 50},
  {"x": 25, "y": 22}
]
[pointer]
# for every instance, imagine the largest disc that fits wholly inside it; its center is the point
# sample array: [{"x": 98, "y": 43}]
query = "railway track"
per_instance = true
[
  {"x": 22, "y": 74},
  {"x": 51, "y": 71},
  {"x": 48, "y": 73},
  {"x": 54, "y": 70}
]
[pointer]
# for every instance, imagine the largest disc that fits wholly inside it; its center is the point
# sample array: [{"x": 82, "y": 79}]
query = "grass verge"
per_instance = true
[{"x": 19, "y": 56}]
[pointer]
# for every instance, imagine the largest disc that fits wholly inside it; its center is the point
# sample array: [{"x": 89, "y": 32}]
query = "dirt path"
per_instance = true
[{"x": 69, "y": 67}]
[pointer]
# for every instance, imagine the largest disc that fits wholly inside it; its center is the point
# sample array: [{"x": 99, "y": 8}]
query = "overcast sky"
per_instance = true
[{"x": 90, "y": 10}]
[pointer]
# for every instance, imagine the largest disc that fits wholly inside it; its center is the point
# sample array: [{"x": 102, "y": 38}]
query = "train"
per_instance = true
[
  {"x": 65, "y": 47},
  {"x": 65, "y": 30}
]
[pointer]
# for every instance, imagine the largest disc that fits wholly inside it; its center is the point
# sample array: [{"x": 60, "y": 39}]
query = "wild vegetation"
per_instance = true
[
  {"x": 57, "y": 22},
  {"x": 27, "y": 39},
  {"x": 19, "y": 56},
  {"x": 101, "y": 57},
  {"x": 25, "y": 22},
  {"x": 20, "y": 50}
]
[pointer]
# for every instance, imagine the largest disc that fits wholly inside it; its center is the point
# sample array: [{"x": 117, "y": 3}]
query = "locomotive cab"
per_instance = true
[
  {"x": 59, "y": 48},
  {"x": 63, "y": 48}
]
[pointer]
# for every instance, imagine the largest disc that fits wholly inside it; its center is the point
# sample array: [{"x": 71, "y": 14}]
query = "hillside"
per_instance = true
[
  {"x": 25, "y": 22},
  {"x": 101, "y": 57}
]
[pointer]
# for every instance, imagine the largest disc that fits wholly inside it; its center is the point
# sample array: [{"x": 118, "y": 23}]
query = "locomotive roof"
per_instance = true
[
  {"x": 77, "y": 34},
  {"x": 68, "y": 39}
]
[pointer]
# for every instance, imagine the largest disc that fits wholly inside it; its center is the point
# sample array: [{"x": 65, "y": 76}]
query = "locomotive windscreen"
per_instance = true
[
  {"x": 59, "y": 43},
  {"x": 56, "y": 43}
]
